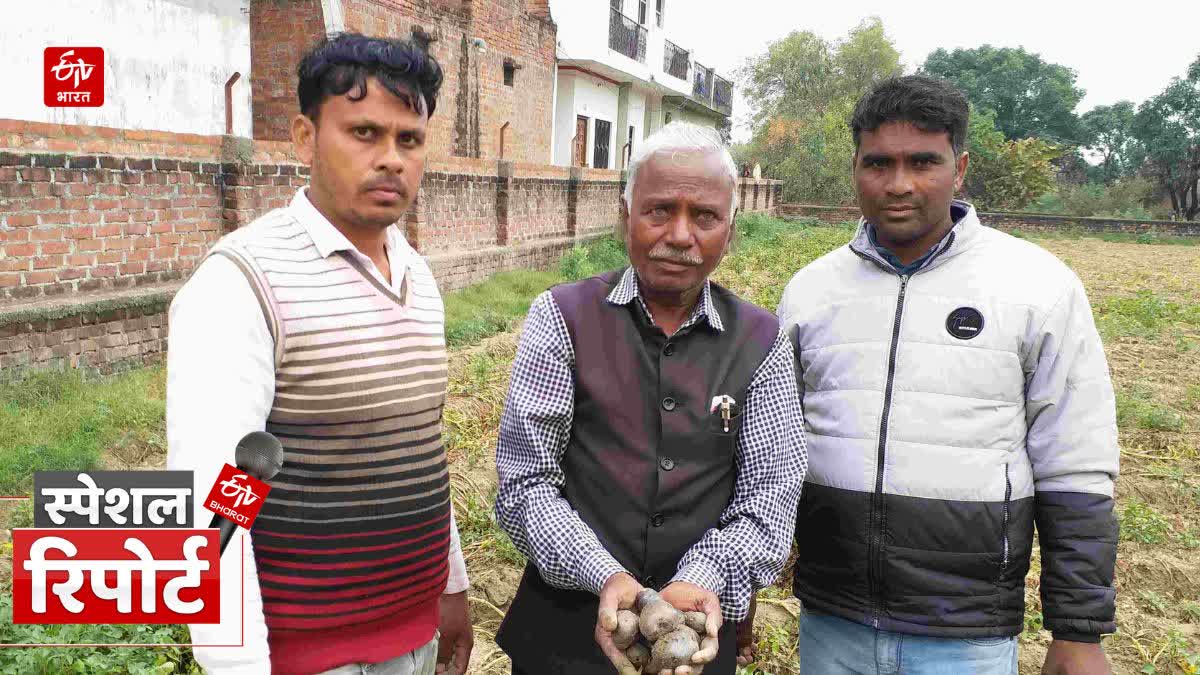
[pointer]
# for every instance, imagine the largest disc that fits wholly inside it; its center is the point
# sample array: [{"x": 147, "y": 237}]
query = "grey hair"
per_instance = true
[{"x": 682, "y": 137}]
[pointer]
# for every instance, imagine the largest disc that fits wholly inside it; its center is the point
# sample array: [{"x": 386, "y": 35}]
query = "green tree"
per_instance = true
[
  {"x": 1006, "y": 175},
  {"x": 1110, "y": 133},
  {"x": 802, "y": 90},
  {"x": 1168, "y": 126},
  {"x": 804, "y": 74},
  {"x": 1031, "y": 98}
]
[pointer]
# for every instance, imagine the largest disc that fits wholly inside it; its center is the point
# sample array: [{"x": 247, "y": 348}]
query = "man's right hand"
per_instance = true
[{"x": 619, "y": 592}]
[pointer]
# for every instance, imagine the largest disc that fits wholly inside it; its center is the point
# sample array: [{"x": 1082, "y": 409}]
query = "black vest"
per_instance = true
[{"x": 648, "y": 467}]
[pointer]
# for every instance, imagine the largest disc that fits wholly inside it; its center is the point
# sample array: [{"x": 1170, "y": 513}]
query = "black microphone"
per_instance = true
[{"x": 259, "y": 454}]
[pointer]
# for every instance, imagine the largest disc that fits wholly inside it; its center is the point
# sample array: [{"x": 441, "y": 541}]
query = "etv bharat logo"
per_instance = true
[{"x": 74, "y": 77}]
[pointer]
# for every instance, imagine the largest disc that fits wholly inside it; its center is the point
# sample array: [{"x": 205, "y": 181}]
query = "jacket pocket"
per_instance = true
[{"x": 1004, "y": 523}]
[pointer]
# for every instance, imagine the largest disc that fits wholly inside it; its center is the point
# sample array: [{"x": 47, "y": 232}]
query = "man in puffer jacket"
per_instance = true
[{"x": 955, "y": 392}]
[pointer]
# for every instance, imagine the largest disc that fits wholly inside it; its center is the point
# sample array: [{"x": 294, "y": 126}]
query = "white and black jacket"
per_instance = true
[{"x": 945, "y": 413}]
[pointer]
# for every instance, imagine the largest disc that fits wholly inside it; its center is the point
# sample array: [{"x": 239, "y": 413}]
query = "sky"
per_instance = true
[{"x": 1128, "y": 52}]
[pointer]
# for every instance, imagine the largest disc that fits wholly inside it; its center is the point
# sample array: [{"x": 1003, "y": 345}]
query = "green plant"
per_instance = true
[
  {"x": 1189, "y": 539},
  {"x": 1190, "y": 611},
  {"x": 156, "y": 660},
  {"x": 1034, "y": 622},
  {"x": 1154, "y": 602},
  {"x": 1136, "y": 408},
  {"x": 1141, "y": 523}
]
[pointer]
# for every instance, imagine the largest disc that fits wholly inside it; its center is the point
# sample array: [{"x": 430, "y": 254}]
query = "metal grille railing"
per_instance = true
[
  {"x": 722, "y": 94},
  {"x": 702, "y": 83},
  {"x": 675, "y": 60},
  {"x": 626, "y": 36}
]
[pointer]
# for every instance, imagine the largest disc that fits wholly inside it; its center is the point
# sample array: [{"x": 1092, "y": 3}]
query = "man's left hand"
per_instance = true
[
  {"x": 457, "y": 639},
  {"x": 1075, "y": 658},
  {"x": 688, "y": 597}
]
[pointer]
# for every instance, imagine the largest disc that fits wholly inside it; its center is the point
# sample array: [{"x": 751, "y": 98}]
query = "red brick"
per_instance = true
[
  {"x": 33, "y": 278},
  {"x": 56, "y": 247},
  {"x": 85, "y": 217},
  {"x": 47, "y": 262},
  {"x": 81, "y": 232},
  {"x": 20, "y": 250},
  {"x": 81, "y": 260},
  {"x": 103, "y": 271},
  {"x": 9, "y": 279},
  {"x": 132, "y": 268},
  {"x": 108, "y": 230},
  {"x": 71, "y": 273},
  {"x": 26, "y": 220}
]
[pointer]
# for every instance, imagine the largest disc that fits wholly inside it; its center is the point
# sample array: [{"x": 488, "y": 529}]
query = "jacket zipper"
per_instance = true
[
  {"x": 1007, "y": 497},
  {"x": 874, "y": 556},
  {"x": 878, "y": 514}
]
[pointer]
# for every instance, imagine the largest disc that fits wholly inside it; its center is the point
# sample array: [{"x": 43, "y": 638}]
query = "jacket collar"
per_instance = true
[{"x": 961, "y": 237}]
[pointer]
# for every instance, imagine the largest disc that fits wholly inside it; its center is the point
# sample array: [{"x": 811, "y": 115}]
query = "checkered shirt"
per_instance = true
[{"x": 747, "y": 549}]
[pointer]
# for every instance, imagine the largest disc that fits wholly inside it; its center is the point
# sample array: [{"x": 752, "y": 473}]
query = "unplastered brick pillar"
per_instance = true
[{"x": 281, "y": 31}]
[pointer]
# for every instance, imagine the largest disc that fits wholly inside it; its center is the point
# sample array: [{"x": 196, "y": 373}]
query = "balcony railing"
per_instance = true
[
  {"x": 702, "y": 84},
  {"x": 626, "y": 36},
  {"x": 675, "y": 60},
  {"x": 722, "y": 94}
]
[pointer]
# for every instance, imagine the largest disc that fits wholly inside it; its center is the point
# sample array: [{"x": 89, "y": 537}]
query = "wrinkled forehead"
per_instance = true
[{"x": 690, "y": 169}]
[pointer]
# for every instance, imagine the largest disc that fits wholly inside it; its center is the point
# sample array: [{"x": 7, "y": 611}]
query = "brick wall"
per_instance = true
[
  {"x": 1015, "y": 221},
  {"x": 105, "y": 335},
  {"x": 280, "y": 31},
  {"x": 91, "y": 244},
  {"x": 476, "y": 111},
  {"x": 72, "y": 223}
]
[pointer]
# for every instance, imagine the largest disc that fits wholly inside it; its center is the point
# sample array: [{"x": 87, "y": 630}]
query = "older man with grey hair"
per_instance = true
[{"x": 652, "y": 435}]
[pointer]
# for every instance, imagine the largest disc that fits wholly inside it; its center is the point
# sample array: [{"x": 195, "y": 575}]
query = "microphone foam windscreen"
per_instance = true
[{"x": 259, "y": 454}]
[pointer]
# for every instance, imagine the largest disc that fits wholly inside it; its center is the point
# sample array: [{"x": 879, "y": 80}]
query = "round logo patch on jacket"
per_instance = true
[{"x": 964, "y": 323}]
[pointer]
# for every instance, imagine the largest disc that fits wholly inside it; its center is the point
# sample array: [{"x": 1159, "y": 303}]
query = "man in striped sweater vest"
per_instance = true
[{"x": 320, "y": 324}]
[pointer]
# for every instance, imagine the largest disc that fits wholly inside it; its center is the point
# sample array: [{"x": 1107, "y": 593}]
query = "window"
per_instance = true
[
  {"x": 603, "y": 138},
  {"x": 642, "y": 12},
  {"x": 629, "y": 153},
  {"x": 667, "y": 119},
  {"x": 658, "y": 8},
  {"x": 510, "y": 70}
]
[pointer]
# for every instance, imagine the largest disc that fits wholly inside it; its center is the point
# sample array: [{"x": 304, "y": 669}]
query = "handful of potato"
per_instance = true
[{"x": 659, "y": 637}]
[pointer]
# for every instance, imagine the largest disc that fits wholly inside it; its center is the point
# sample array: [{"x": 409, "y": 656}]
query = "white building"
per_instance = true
[{"x": 622, "y": 74}]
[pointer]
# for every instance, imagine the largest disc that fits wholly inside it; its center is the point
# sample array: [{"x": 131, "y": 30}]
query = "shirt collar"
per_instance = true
[
  {"x": 329, "y": 240},
  {"x": 626, "y": 291},
  {"x": 957, "y": 213}
]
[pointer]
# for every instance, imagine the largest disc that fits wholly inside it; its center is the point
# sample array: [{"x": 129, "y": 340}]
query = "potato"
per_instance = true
[
  {"x": 659, "y": 618},
  {"x": 638, "y": 654},
  {"x": 696, "y": 621},
  {"x": 645, "y": 597},
  {"x": 673, "y": 650},
  {"x": 627, "y": 629}
]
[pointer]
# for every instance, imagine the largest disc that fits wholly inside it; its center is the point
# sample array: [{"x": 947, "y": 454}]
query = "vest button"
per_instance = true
[
  {"x": 669, "y": 349},
  {"x": 666, "y": 463},
  {"x": 657, "y": 520},
  {"x": 668, "y": 404}
]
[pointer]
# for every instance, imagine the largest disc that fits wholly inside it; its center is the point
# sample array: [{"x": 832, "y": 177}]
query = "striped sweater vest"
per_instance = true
[{"x": 351, "y": 544}]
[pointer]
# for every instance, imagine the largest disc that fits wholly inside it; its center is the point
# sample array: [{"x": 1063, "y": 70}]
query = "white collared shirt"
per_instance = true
[{"x": 221, "y": 386}]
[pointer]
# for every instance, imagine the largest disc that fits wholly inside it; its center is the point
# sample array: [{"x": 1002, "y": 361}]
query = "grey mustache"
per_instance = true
[{"x": 674, "y": 255}]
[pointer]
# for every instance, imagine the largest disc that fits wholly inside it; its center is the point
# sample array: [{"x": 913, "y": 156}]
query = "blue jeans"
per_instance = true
[{"x": 833, "y": 646}]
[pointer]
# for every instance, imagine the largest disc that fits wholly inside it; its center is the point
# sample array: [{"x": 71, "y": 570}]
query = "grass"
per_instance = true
[
  {"x": 63, "y": 421},
  {"x": 1072, "y": 233},
  {"x": 1137, "y": 408},
  {"x": 1143, "y": 315}
]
